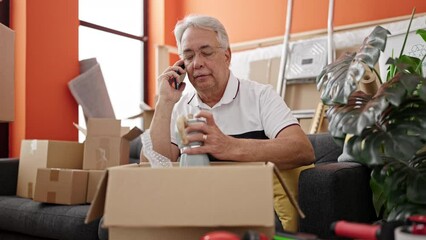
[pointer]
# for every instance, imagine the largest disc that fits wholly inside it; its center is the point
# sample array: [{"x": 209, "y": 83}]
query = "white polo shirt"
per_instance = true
[{"x": 248, "y": 109}]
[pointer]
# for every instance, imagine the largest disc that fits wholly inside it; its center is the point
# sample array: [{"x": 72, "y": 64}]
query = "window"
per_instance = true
[{"x": 120, "y": 56}]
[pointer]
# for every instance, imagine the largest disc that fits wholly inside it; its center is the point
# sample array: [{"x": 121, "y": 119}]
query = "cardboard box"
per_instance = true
[
  {"x": 45, "y": 154},
  {"x": 107, "y": 143},
  {"x": 139, "y": 202},
  {"x": 7, "y": 74},
  {"x": 95, "y": 177},
  {"x": 61, "y": 186}
]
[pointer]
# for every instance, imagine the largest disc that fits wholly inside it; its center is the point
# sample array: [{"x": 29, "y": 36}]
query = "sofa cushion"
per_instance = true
[
  {"x": 286, "y": 212},
  {"x": 17, "y": 236},
  {"x": 334, "y": 191},
  {"x": 325, "y": 148},
  {"x": 46, "y": 220},
  {"x": 8, "y": 175},
  {"x": 135, "y": 150}
]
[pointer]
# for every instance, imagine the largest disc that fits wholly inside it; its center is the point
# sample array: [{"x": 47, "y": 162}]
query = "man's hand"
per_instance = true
[
  {"x": 168, "y": 93},
  {"x": 291, "y": 148},
  {"x": 215, "y": 141}
]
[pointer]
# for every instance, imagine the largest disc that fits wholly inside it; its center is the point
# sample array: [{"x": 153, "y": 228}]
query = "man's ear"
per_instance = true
[{"x": 228, "y": 55}]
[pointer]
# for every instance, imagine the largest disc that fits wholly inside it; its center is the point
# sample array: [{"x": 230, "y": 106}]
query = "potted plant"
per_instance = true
[{"x": 384, "y": 129}]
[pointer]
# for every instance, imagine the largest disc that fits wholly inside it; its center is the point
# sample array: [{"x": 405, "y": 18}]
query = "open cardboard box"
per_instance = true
[
  {"x": 107, "y": 143},
  {"x": 140, "y": 202}
]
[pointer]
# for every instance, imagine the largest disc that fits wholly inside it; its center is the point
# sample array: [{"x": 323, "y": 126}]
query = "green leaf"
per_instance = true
[
  {"x": 422, "y": 33},
  {"x": 377, "y": 188},
  {"x": 422, "y": 90},
  {"x": 332, "y": 80},
  {"x": 338, "y": 80},
  {"x": 408, "y": 64},
  {"x": 405, "y": 210},
  {"x": 416, "y": 184}
]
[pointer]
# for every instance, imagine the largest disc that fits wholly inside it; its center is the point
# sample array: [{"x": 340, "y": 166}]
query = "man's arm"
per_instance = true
[
  {"x": 160, "y": 124},
  {"x": 291, "y": 148},
  {"x": 160, "y": 131}
]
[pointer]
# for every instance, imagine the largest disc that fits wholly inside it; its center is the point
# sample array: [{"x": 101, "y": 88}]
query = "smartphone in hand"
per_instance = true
[{"x": 181, "y": 77}]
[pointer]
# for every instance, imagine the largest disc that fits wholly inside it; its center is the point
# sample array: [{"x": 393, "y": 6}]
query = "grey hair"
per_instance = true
[{"x": 204, "y": 22}]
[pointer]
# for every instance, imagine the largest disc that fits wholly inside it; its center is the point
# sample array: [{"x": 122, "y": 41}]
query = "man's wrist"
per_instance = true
[{"x": 164, "y": 103}]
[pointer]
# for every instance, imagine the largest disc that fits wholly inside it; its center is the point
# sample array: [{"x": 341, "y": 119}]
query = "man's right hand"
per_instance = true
[{"x": 168, "y": 93}]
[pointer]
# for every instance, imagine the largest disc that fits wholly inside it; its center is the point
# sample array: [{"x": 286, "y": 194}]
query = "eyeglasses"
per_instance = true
[{"x": 206, "y": 51}]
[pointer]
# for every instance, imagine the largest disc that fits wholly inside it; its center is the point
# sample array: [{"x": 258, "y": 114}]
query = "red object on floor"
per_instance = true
[
  {"x": 356, "y": 230},
  {"x": 220, "y": 235},
  {"x": 418, "y": 223}
]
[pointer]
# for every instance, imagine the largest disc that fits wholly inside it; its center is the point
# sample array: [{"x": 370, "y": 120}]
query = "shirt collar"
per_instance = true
[{"x": 231, "y": 92}]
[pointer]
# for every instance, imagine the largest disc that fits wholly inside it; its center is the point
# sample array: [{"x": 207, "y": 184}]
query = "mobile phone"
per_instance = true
[{"x": 181, "y": 77}]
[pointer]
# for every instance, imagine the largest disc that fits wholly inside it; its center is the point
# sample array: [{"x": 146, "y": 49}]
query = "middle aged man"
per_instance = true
[{"x": 245, "y": 121}]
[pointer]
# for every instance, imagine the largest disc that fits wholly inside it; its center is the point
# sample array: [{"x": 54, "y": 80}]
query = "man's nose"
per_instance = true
[{"x": 198, "y": 60}]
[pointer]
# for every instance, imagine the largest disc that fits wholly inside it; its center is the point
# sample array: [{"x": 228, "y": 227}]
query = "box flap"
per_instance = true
[
  {"x": 228, "y": 195},
  {"x": 97, "y": 206},
  {"x": 132, "y": 134},
  {"x": 96, "y": 209},
  {"x": 97, "y": 127}
]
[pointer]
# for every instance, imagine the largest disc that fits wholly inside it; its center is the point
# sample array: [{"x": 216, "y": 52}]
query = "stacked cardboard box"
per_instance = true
[
  {"x": 65, "y": 172},
  {"x": 65, "y": 186},
  {"x": 107, "y": 144},
  {"x": 37, "y": 154}
]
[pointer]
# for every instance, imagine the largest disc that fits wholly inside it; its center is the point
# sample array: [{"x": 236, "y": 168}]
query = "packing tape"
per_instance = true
[
  {"x": 102, "y": 153},
  {"x": 54, "y": 175},
  {"x": 101, "y": 158},
  {"x": 51, "y": 197},
  {"x": 33, "y": 146}
]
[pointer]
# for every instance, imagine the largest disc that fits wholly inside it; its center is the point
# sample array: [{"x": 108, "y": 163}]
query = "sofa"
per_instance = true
[
  {"x": 332, "y": 190},
  {"x": 328, "y": 192},
  {"x": 24, "y": 219}
]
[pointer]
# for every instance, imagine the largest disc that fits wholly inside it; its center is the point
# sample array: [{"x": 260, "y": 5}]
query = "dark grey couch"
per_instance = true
[
  {"x": 329, "y": 192},
  {"x": 332, "y": 190},
  {"x": 24, "y": 219}
]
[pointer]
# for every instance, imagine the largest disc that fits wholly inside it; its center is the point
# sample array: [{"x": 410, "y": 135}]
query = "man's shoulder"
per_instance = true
[{"x": 255, "y": 87}]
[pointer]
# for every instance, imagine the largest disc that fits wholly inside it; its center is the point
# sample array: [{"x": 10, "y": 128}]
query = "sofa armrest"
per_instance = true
[
  {"x": 8, "y": 175},
  {"x": 334, "y": 191}
]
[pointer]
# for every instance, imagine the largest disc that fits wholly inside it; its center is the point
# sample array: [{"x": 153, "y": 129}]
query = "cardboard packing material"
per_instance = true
[
  {"x": 95, "y": 177},
  {"x": 45, "y": 154},
  {"x": 7, "y": 73},
  {"x": 90, "y": 91},
  {"x": 61, "y": 186},
  {"x": 139, "y": 202},
  {"x": 107, "y": 143}
]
